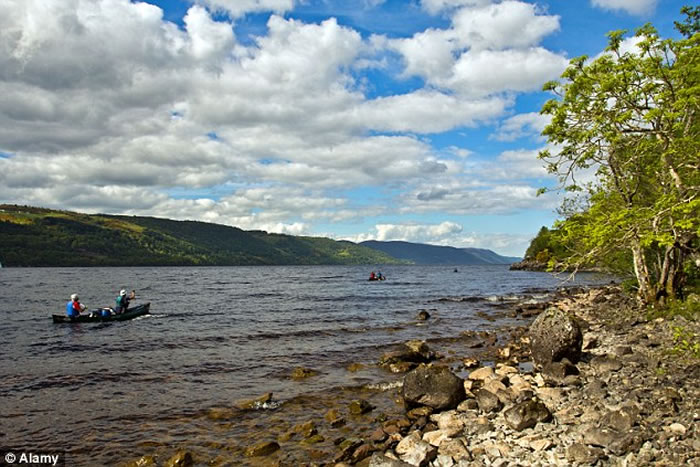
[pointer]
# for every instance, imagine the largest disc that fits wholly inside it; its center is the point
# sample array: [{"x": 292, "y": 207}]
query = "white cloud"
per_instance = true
[
  {"x": 419, "y": 233},
  {"x": 521, "y": 125},
  {"x": 437, "y": 6},
  {"x": 461, "y": 199},
  {"x": 488, "y": 50},
  {"x": 633, "y": 7},
  {"x": 446, "y": 234},
  {"x": 429, "y": 111},
  {"x": 208, "y": 37},
  {"x": 502, "y": 25},
  {"x": 628, "y": 45},
  {"x": 487, "y": 71},
  {"x": 237, "y": 8},
  {"x": 107, "y": 107},
  {"x": 518, "y": 164}
]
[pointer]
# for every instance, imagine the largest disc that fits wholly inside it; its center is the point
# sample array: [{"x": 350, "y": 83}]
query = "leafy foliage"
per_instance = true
[
  {"x": 630, "y": 119},
  {"x": 33, "y": 236},
  {"x": 547, "y": 247}
]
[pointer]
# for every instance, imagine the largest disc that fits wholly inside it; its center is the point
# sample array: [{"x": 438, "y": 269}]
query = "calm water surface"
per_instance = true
[{"x": 108, "y": 392}]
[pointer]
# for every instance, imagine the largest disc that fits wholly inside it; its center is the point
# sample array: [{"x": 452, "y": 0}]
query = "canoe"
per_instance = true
[{"x": 96, "y": 317}]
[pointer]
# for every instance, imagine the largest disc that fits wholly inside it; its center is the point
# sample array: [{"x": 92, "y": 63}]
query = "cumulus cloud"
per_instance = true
[
  {"x": 633, "y": 7},
  {"x": 107, "y": 107},
  {"x": 502, "y": 25},
  {"x": 237, "y": 8},
  {"x": 463, "y": 200},
  {"x": 437, "y": 6},
  {"x": 489, "y": 71},
  {"x": 488, "y": 49},
  {"x": 207, "y": 36},
  {"x": 521, "y": 125},
  {"x": 447, "y": 234},
  {"x": 419, "y": 233}
]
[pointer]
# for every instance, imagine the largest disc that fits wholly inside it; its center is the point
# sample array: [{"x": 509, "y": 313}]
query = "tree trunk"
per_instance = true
[{"x": 645, "y": 293}]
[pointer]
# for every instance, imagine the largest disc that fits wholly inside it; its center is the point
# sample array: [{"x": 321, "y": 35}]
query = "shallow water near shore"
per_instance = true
[{"x": 106, "y": 393}]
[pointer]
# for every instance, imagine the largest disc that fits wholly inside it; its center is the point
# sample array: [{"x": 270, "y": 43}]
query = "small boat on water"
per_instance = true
[{"x": 96, "y": 315}]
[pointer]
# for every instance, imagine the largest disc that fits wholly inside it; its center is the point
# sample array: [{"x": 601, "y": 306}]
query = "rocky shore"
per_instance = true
[
  {"x": 592, "y": 381},
  {"x": 627, "y": 399}
]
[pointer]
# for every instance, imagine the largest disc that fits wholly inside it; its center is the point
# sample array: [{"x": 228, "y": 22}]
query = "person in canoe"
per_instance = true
[
  {"x": 74, "y": 307},
  {"x": 123, "y": 300},
  {"x": 380, "y": 276},
  {"x": 372, "y": 276}
]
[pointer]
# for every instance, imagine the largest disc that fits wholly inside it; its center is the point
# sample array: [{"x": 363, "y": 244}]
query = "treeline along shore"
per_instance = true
[{"x": 588, "y": 378}]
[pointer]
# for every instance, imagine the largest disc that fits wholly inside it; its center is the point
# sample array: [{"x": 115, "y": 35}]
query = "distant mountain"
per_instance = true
[
  {"x": 420, "y": 253},
  {"x": 31, "y": 236}
]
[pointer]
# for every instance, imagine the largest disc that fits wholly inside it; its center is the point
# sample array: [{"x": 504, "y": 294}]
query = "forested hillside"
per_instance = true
[
  {"x": 419, "y": 253},
  {"x": 32, "y": 236}
]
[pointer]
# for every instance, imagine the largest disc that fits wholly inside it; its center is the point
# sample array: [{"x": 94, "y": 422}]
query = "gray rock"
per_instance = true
[
  {"x": 605, "y": 364},
  {"x": 619, "y": 443},
  {"x": 621, "y": 420},
  {"x": 434, "y": 386},
  {"x": 527, "y": 414},
  {"x": 622, "y": 350},
  {"x": 596, "y": 389},
  {"x": 582, "y": 454},
  {"x": 554, "y": 335},
  {"x": 413, "y": 450},
  {"x": 557, "y": 372},
  {"x": 488, "y": 401},
  {"x": 380, "y": 460},
  {"x": 456, "y": 449}
]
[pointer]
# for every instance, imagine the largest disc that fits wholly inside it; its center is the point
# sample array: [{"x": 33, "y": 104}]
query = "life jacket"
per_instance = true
[
  {"x": 70, "y": 311},
  {"x": 122, "y": 303}
]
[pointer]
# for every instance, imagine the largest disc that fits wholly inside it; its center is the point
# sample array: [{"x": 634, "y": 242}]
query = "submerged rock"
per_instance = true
[
  {"x": 423, "y": 316},
  {"x": 408, "y": 356},
  {"x": 143, "y": 461},
  {"x": 303, "y": 373},
  {"x": 264, "y": 448},
  {"x": 334, "y": 417},
  {"x": 180, "y": 459},
  {"x": 360, "y": 406},
  {"x": 256, "y": 403}
]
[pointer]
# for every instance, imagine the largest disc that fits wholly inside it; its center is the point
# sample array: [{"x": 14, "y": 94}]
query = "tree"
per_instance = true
[{"x": 630, "y": 117}]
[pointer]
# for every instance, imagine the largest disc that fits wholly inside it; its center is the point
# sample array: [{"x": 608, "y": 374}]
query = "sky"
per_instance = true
[{"x": 414, "y": 120}]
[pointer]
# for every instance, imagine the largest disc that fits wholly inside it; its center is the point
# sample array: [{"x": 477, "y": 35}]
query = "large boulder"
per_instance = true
[
  {"x": 433, "y": 386},
  {"x": 555, "y": 335}
]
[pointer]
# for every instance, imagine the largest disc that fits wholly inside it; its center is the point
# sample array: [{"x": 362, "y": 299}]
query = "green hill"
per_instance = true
[
  {"x": 31, "y": 236},
  {"x": 420, "y": 253}
]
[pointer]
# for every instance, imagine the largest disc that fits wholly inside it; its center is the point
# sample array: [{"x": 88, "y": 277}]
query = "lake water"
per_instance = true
[{"x": 105, "y": 393}]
